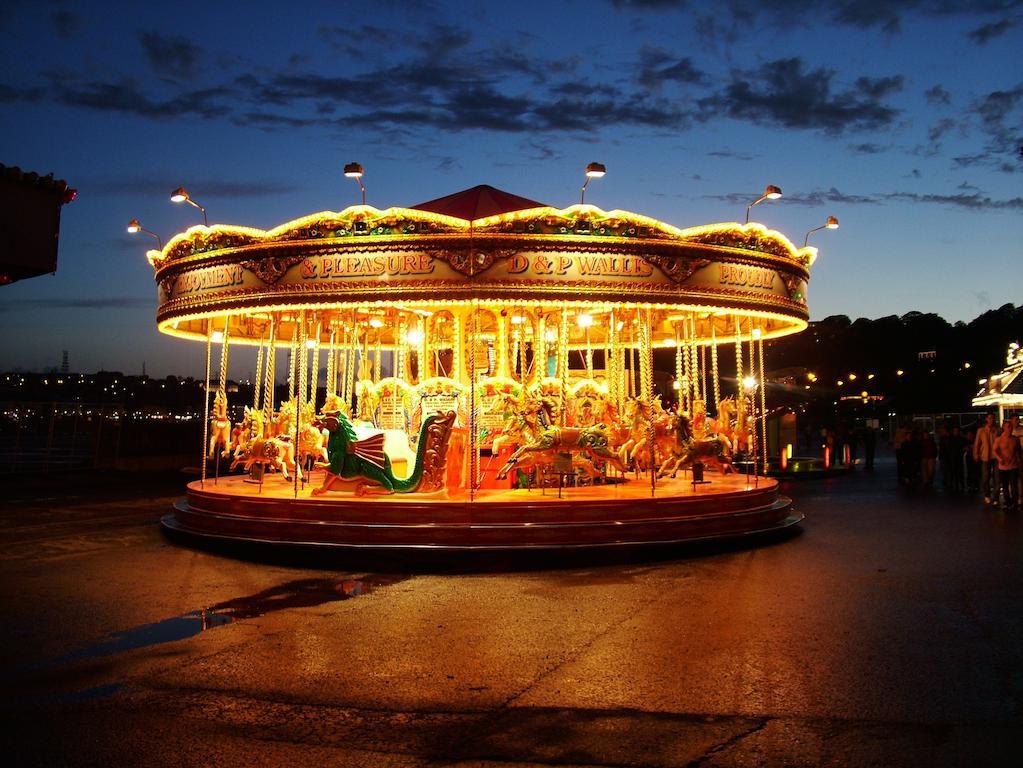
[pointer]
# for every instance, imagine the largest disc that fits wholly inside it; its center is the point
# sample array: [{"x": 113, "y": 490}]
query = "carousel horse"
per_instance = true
[
  {"x": 521, "y": 423},
  {"x": 687, "y": 449},
  {"x": 220, "y": 427},
  {"x": 591, "y": 442},
  {"x": 253, "y": 448},
  {"x": 641, "y": 417}
]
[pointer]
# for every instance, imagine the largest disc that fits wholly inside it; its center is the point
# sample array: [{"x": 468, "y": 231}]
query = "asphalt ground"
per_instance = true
[{"x": 885, "y": 631}]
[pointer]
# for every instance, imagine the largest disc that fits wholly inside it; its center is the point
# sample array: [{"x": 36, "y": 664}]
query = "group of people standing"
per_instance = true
[
  {"x": 999, "y": 451},
  {"x": 986, "y": 458}
]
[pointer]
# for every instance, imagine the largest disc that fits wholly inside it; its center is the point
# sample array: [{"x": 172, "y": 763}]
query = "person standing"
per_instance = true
[
  {"x": 1017, "y": 432},
  {"x": 901, "y": 440},
  {"x": 869, "y": 446},
  {"x": 984, "y": 454},
  {"x": 928, "y": 455},
  {"x": 956, "y": 455},
  {"x": 1007, "y": 454},
  {"x": 972, "y": 465}
]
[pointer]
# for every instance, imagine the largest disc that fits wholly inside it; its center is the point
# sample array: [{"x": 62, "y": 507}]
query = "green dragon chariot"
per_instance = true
[{"x": 362, "y": 466}]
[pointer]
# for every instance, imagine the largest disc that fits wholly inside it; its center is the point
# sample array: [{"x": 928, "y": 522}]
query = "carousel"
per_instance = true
[{"x": 476, "y": 372}]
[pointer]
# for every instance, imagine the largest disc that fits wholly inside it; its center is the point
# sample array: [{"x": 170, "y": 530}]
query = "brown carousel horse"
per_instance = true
[
  {"x": 548, "y": 440},
  {"x": 641, "y": 418},
  {"x": 687, "y": 450},
  {"x": 253, "y": 448}
]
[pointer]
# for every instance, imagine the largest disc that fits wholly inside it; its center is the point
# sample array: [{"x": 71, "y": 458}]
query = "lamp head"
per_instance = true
[
  {"x": 354, "y": 170},
  {"x": 772, "y": 192},
  {"x": 134, "y": 226},
  {"x": 832, "y": 222},
  {"x": 179, "y": 195},
  {"x": 595, "y": 170}
]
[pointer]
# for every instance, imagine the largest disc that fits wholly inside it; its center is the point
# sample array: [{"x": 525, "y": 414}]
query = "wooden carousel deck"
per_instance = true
[{"x": 592, "y": 516}]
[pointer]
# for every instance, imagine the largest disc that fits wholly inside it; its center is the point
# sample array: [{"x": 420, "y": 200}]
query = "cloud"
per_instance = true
[
  {"x": 731, "y": 154},
  {"x": 126, "y": 97},
  {"x": 832, "y": 196},
  {"x": 940, "y": 128},
  {"x": 810, "y": 199},
  {"x": 968, "y": 187},
  {"x": 65, "y": 23},
  {"x": 359, "y": 40},
  {"x": 10, "y": 94},
  {"x": 887, "y": 15},
  {"x": 162, "y": 185},
  {"x": 1000, "y": 115},
  {"x": 985, "y": 32},
  {"x": 975, "y": 201},
  {"x": 442, "y": 40},
  {"x": 171, "y": 56},
  {"x": 657, "y": 66},
  {"x": 783, "y": 93},
  {"x": 106, "y": 302},
  {"x": 867, "y": 148},
  {"x": 937, "y": 95}
]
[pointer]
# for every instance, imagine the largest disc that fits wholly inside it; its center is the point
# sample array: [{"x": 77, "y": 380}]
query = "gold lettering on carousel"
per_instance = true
[
  {"x": 373, "y": 265},
  {"x": 517, "y": 264},
  {"x": 613, "y": 266},
  {"x": 749, "y": 277},
  {"x": 208, "y": 279}
]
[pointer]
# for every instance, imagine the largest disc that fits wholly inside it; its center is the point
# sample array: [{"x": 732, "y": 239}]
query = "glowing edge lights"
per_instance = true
[
  {"x": 806, "y": 255},
  {"x": 168, "y": 325}
]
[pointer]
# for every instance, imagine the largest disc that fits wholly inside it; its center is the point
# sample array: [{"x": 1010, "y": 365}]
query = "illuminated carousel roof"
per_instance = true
[{"x": 484, "y": 245}]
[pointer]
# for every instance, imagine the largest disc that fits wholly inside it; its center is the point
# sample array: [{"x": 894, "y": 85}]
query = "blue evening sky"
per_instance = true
[{"x": 904, "y": 119}]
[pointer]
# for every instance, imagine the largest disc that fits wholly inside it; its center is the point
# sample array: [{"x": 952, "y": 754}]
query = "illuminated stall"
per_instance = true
[
  {"x": 1004, "y": 390},
  {"x": 477, "y": 372}
]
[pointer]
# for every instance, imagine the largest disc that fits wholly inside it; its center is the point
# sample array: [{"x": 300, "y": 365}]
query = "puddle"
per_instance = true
[{"x": 301, "y": 593}]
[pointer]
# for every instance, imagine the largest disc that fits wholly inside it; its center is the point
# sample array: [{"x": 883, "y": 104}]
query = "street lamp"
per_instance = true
[
  {"x": 179, "y": 195},
  {"x": 134, "y": 227},
  {"x": 356, "y": 171},
  {"x": 831, "y": 223},
  {"x": 770, "y": 193},
  {"x": 593, "y": 171}
]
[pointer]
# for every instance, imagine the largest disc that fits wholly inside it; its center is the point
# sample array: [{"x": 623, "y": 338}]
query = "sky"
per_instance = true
[{"x": 903, "y": 118}]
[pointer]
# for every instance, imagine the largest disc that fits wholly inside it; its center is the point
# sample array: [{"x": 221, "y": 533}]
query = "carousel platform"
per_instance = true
[{"x": 589, "y": 516}]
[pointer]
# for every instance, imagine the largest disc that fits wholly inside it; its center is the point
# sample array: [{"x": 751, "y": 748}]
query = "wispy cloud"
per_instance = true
[
  {"x": 973, "y": 201},
  {"x": 938, "y": 95},
  {"x": 104, "y": 302},
  {"x": 171, "y": 55},
  {"x": 783, "y": 92},
  {"x": 202, "y": 188},
  {"x": 985, "y": 32},
  {"x": 887, "y": 15}
]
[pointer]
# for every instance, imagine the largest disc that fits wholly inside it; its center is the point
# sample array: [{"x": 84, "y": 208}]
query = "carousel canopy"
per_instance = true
[
  {"x": 478, "y": 203},
  {"x": 483, "y": 246},
  {"x": 1004, "y": 389}
]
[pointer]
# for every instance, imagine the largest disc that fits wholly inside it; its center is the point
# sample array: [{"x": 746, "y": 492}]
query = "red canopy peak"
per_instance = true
[{"x": 477, "y": 203}]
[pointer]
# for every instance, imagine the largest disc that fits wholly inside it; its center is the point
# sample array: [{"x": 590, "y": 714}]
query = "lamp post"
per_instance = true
[
  {"x": 831, "y": 223},
  {"x": 770, "y": 193},
  {"x": 356, "y": 171},
  {"x": 134, "y": 227},
  {"x": 593, "y": 171},
  {"x": 179, "y": 195}
]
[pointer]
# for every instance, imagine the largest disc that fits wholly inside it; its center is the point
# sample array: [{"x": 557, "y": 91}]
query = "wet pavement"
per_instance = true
[{"x": 886, "y": 632}]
